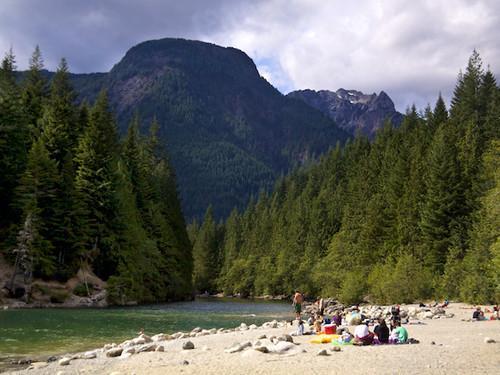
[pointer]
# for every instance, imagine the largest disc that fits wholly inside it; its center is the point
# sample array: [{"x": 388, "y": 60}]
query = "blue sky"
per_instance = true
[{"x": 411, "y": 49}]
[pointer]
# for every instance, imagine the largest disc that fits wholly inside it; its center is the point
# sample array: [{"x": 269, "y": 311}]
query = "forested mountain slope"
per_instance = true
[
  {"x": 413, "y": 215},
  {"x": 229, "y": 132}
]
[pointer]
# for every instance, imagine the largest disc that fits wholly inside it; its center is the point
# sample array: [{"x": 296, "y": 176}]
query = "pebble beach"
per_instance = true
[{"x": 448, "y": 344}]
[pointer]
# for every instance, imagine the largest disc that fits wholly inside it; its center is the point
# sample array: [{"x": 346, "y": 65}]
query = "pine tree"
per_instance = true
[
  {"x": 14, "y": 141},
  {"x": 95, "y": 184},
  {"x": 443, "y": 202},
  {"x": 205, "y": 255},
  {"x": 59, "y": 121},
  {"x": 34, "y": 92},
  {"x": 36, "y": 197}
]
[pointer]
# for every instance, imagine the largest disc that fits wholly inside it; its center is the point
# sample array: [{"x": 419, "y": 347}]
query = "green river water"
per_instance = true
[{"x": 35, "y": 333}]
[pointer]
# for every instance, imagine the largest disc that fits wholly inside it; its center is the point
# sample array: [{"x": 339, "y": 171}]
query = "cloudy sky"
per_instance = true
[{"x": 410, "y": 49}]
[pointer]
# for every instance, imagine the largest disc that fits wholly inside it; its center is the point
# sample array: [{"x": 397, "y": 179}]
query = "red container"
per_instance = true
[{"x": 330, "y": 329}]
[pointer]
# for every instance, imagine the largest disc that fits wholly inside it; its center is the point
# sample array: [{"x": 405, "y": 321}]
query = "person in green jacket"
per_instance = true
[{"x": 400, "y": 333}]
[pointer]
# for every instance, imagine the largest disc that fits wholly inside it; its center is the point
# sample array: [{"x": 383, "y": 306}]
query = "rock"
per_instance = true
[
  {"x": 184, "y": 363},
  {"x": 145, "y": 337},
  {"x": 183, "y": 336},
  {"x": 196, "y": 330},
  {"x": 252, "y": 326},
  {"x": 89, "y": 355},
  {"x": 428, "y": 315},
  {"x": 150, "y": 347},
  {"x": 336, "y": 349},
  {"x": 323, "y": 352},
  {"x": 285, "y": 337},
  {"x": 64, "y": 361},
  {"x": 160, "y": 348},
  {"x": 433, "y": 343},
  {"x": 114, "y": 352},
  {"x": 188, "y": 345},
  {"x": 37, "y": 365},
  {"x": 262, "y": 349},
  {"x": 125, "y": 355},
  {"x": 238, "y": 347},
  {"x": 212, "y": 331},
  {"x": 282, "y": 347},
  {"x": 220, "y": 330},
  {"x": 488, "y": 340},
  {"x": 205, "y": 348},
  {"x": 52, "y": 359},
  {"x": 243, "y": 327},
  {"x": 130, "y": 350},
  {"x": 61, "y": 373},
  {"x": 262, "y": 337},
  {"x": 159, "y": 337},
  {"x": 139, "y": 341}
]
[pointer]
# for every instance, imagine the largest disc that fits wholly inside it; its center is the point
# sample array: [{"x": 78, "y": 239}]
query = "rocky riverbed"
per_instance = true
[{"x": 448, "y": 345}]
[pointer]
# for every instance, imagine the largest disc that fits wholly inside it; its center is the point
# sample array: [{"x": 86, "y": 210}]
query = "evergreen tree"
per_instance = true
[
  {"x": 34, "y": 92},
  {"x": 95, "y": 183},
  {"x": 36, "y": 197},
  {"x": 205, "y": 255}
]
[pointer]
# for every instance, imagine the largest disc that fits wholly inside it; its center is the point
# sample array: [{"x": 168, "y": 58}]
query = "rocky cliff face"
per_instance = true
[{"x": 352, "y": 110}]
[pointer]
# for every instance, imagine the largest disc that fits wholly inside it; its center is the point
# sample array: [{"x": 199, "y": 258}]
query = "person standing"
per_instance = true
[{"x": 298, "y": 298}]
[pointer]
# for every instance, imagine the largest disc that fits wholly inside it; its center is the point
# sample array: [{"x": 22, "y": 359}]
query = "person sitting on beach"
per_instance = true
[
  {"x": 317, "y": 324},
  {"x": 478, "y": 314},
  {"x": 399, "y": 335},
  {"x": 362, "y": 335},
  {"x": 445, "y": 303},
  {"x": 382, "y": 331},
  {"x": 337, "y": 318},
  {"x": 297, "y": 303}
]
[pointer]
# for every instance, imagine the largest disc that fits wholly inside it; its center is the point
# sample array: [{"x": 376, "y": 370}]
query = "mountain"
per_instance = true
[
  {"x": 229, "y": 132},
  {"x": 352, "y": 110}
]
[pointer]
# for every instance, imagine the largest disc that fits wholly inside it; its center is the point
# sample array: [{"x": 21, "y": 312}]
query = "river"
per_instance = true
[{"x": 36, "y": 333}]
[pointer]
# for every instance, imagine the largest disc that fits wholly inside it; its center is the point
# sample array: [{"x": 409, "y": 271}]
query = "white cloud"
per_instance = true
[{"x": 411, "y": 50}]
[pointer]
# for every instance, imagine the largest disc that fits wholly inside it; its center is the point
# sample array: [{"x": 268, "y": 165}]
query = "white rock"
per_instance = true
[
  {"x": 243, "y": 327},
  {"x": 212, "y": 331},
  {"x": 146, "y": 338},
  {"x": 89, "y": 355},
  {"x": 252, "y": 326},
  {"x": 149, "y": 347},
  {"x": 139, "y": 341},
  {"x": 159, "y": 337},
  {"x": 196, "y": 330},
  {"x": 114, "y": 352},
  {"x": 282, "y": 346},
  {"x": 130, "y": 350},
  {"x": 64, "y": 361}
]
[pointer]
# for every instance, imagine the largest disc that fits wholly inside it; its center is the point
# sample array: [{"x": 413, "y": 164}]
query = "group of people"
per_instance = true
[
  {"x": 478, "y": 314},
  {"x": 382, "y": 333}
]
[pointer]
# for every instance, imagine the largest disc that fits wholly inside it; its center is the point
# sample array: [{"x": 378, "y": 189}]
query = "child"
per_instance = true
[{"x": 300, "y": 328}]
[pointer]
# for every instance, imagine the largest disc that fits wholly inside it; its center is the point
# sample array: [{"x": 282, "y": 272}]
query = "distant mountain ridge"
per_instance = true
[
  {"x": 352, "y": 110},
  {"x": 229, "y": 132}
]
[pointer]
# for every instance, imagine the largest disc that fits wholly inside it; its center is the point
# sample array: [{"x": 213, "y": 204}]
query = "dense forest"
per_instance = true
[
  {"x": 413, "y": 215},
  {"x": 74, "y": 197},
  {"x": 229, "y": 132}
]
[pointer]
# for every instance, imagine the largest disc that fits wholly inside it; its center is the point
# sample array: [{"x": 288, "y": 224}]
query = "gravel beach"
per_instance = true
[{"x": 447, "y": 346}]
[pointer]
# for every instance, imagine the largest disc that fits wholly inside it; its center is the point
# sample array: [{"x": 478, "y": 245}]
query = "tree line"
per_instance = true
[
  {"x": 413, "y": 215},
  {"x": 73, "y": 196}
]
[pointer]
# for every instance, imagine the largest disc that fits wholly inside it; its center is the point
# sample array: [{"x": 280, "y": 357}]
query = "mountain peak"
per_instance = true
[{"x": 352, "y": 110}]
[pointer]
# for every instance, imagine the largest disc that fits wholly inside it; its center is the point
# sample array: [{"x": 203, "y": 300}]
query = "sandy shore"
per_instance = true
[{"x": 459, "y": 347}]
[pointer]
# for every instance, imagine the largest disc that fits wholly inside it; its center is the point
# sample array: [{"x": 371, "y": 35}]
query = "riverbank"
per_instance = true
[{"x": 448, "y": 345}]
